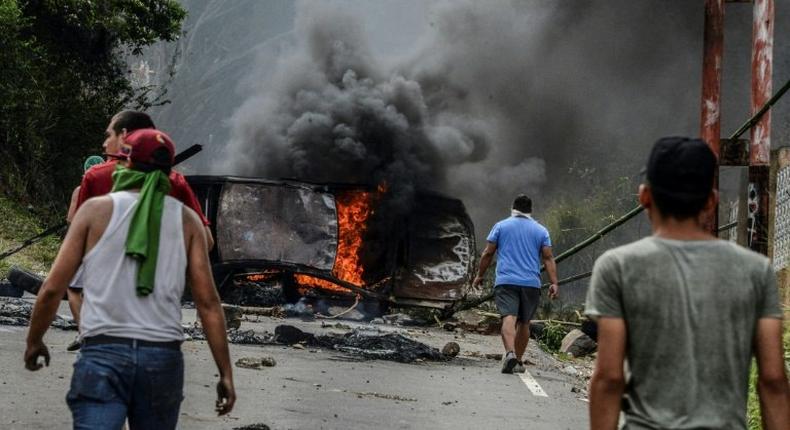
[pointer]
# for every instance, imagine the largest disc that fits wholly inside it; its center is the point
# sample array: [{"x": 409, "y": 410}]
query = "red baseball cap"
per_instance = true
[{"x": 144, "y": 142}]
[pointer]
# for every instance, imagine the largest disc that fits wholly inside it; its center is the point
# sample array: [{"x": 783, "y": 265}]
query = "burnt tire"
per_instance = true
[
  {"x": 8, "y": 289},
  {"x": 24, "y": 280}
]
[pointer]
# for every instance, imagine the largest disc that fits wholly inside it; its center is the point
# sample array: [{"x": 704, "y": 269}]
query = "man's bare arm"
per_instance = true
[
  {"x": 63, "y": 269},
  {"x": 209, "y": 309},
  {"x": 485, "y": 262},
  {"x": 209, "y": 238},
  {"x": 551, "y": 269},
  {"x": 75, "y": 195},
  {"x": 772, "y": 384},
  {"x": 608, "y": 379}
]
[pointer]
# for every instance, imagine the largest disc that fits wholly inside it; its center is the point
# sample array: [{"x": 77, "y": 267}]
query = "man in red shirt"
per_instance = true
[{"x": 97, "y": 181}]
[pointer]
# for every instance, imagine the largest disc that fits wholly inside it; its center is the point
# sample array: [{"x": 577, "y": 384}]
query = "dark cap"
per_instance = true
[
  {"x": 144, "y": 147},
  {"x": 681, "y": 168}
]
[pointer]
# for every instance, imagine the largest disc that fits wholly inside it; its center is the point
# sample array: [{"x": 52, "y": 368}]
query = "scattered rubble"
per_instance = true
[
  {"x": 339, "y": 326},
  {"x": 384, "y": 396},
  {"x": 256, "y": 362},
  {"x": 399, "y": 319},
  {"x": 474, "y": 321},
  {"x": 372, "y": 344},
  {"x": 249, "y": 293},
  {"x": 249, "y": 337},
  {"x": 578, "y": 344},
  {"x": 451, "y": 349},
  {"x": 15, "y": 308},
  {"x": 272, "y": 312},
  {"x": 14, "y": 311},
  {"x": 300, "y": 309},
  {"x": 240, "y": 337},
  {"x": 233, "y": 316},
  {"x": 258, "y": 426},
  {"x": 389, "y": 346},
  {"x": 289, "y": 335}
]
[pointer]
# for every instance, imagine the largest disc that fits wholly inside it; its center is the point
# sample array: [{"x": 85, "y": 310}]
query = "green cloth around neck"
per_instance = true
[{"x": 142, "y": 241}]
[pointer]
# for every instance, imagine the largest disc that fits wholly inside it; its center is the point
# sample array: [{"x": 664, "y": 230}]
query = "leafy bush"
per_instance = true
[
  {"x": 551, "y": 337},
  {"x": 64, "y": 76}
]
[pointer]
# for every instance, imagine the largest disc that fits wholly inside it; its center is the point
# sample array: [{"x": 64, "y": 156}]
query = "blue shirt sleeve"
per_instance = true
[
  {"x": 546, "y": 239},
  {"x": 493, "y": 237}
]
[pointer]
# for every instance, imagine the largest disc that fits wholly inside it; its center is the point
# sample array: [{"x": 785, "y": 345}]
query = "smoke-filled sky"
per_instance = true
[{"x": 479, "y": 100}]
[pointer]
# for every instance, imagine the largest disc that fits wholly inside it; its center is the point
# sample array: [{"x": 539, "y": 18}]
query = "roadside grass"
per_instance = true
[
  {"x": 18, "y": 224},
  {"x": 551, "y": 338}
]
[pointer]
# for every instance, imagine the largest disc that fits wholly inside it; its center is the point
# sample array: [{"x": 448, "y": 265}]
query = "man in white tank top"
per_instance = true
[{"x": 132, "y": 251}]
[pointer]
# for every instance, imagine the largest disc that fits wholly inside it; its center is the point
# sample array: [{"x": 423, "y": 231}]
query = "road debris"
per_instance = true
[
  {"x": 271, "y": 312},
  {"x": 578, "y": 344},
  {"x": 372, "y": 344},
  {"x": 233, "y": 316},
  {"x": 256, "y": 362},
  {"x": 240, "y": 337},
  {"x": 249, "y": 293},
  {"x": 16, "y": 312},
  {"x": 451, "y": 349},
  {"x": 474, "y": 321},
  {"x": 258, "y": 426},
  {"x": 384, "y": 396}
]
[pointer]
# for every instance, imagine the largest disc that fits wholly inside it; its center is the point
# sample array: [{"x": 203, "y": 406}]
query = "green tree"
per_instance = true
[{"x": 64, "y": 75}]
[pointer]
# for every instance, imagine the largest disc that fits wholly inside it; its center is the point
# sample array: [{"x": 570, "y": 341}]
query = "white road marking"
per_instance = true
[{"x": 532, "y": 384}]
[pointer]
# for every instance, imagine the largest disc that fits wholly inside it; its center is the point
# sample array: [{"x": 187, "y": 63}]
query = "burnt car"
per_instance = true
[{"x": 338, "y": 239}]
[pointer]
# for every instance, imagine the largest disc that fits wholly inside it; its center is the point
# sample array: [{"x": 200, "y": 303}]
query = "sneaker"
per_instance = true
[
  {"x": 519, "y": 367},
  {"x": 74, "y": 345},
  {"x": 509, "y": 362}
]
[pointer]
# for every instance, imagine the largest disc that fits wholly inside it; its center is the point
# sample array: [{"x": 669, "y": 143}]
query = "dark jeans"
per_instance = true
[{"x": 114, "y": 381}]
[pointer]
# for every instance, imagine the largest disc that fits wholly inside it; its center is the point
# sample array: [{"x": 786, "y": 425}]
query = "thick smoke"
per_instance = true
[
  {"x": 331, "y": 114},
  {"x": 497, "y": 98}
]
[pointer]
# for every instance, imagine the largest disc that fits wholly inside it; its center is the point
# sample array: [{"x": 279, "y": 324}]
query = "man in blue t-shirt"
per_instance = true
[{"x": 521, "y": 244}]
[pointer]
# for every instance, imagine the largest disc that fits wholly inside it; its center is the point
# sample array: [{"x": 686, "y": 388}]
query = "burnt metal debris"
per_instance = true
[
  {"x": 366, "y": 342},
  {"x": 240, "y": 337}
]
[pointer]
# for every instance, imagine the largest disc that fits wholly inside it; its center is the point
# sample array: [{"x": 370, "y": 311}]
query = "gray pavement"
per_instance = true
[{"x": 321, "y": 389}]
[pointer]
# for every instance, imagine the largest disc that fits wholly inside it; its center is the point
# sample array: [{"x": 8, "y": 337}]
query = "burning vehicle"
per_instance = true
[{"x": 337, "y": 240}]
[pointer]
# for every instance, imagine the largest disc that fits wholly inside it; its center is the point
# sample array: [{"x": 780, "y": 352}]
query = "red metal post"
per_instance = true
[
  {"x": 711, "y": 88},
  {"x": 760, "y": 145},
  {"x": 762, "y": 64}
]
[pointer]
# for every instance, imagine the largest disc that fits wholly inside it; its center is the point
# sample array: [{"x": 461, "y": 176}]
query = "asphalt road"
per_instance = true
[{"x": 323, "y": 389}]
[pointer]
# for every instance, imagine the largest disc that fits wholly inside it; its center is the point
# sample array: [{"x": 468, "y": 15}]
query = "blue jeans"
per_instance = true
[{"x": 114, "y": 381}]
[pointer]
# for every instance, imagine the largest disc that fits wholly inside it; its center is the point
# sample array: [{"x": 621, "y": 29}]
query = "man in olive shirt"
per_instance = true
[{"x": 686, "y": 310}]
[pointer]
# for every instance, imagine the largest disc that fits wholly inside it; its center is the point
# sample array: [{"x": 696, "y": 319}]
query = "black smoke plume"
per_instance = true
[{"x": 497, "y": 98}]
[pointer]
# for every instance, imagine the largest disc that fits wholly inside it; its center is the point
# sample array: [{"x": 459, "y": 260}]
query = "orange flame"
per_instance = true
[
  {"x": 262, "y": 276},
  {"x": 353, "y": 211}
]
